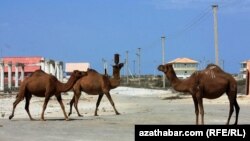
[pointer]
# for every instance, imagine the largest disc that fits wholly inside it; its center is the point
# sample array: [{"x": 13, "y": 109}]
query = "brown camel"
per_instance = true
[
  {"x": 96, "y": 84},
  {"x": 210, "y": 83},
  {"x": 45, "y": 85}
]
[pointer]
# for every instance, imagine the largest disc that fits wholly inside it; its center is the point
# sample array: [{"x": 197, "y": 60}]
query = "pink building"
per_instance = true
[
  {"x": 14, "y": 69},
  {"x": 31, "y": 63},
  {"x": 70, "y": 67}
]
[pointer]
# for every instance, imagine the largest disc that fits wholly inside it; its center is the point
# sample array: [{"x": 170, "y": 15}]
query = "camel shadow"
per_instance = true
[
  {"x": 53, "y": 119},
  {"x": 62, "y": 119},
  {"x": 174, "y": 97}
]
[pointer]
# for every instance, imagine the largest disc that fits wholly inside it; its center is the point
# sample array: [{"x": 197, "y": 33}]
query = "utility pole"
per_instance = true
[
  {"x": 139, "y": 65},
  {"x": 105, "y": 66},
  {"x": 134, "y": 67},
  {"x": 127, "y": 65},
  {"x": 215, "y": 7},
  {"x": 163, "y": 59}
]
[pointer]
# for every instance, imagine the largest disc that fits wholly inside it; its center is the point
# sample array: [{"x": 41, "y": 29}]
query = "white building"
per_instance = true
[
  {"x": 243, "y": 69},
  {"x": 184, "y": 67}
]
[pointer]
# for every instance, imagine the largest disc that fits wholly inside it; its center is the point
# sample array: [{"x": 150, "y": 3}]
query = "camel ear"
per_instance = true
[
  {"x": 118, "y": 66},
  {"x": 169, "y": 65},
  {"x": 121, "y": 65}
]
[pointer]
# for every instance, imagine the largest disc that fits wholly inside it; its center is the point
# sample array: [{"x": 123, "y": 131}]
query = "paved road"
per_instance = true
[{"x": 108, "y": 126}]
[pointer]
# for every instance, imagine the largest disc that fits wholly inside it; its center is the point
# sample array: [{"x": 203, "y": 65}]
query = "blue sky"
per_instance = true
[{"x": 92, "y": 30}]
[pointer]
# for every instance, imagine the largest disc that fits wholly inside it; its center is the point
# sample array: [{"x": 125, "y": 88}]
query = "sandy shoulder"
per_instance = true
[{"x": 126, "y": 99}]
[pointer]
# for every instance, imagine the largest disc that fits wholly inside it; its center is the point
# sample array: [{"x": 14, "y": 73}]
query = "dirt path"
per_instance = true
[{"x": 135, "y": 106}]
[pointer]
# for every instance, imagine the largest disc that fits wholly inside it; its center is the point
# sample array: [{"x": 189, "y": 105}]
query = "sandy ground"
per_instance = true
[{"x": 137, "y": 106}]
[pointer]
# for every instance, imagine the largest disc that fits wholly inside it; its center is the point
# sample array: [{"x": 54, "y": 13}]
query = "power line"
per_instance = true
[{"x": 195, "y": 21}]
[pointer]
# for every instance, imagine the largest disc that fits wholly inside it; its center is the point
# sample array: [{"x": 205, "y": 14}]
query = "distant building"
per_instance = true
[
  {"x": 243, "y": 68},
  {"x": 15, "y": 69},
  {"x": 70, "y": 67},
  {"x": 31, "y": 63},
  {"x": 184, "y": 67}
]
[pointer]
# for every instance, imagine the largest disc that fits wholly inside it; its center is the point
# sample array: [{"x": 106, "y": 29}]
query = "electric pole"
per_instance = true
[
  {"x": 139, "y": 65},
  {"x": 163, "y": 59},
  {"x": 127, "y": 65},
  {"x": 105, "y": 66},
  {"x": 134, "y": 67},
  {"x": 215, "y": 7}
]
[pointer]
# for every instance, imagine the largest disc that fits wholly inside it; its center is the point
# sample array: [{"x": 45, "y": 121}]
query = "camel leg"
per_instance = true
[
  {"x": 237, "y": 108},
  {"x": 98, "y": 103},
  {"x": 233, "y": 102},
  {"x": 77, "y": 96},
  {"x": 74, "y": 100},
  {"x": 71, "y": 104},
  {"x": 44, "y": 107},
  {"x": 28, "y": 97},
  {"x": 112, "y": 103},
  {"x": 200, "y": 102},
  {"x": 59, "y": 99},
  {"x": 231, "y": 110},
  {"x": 201, "y": 109},
  {"x": 18, "y": 99},
  {"x": 196, "y": 109}
]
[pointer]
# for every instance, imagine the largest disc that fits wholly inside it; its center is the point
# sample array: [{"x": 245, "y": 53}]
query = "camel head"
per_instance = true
[
  {"x": 116, "y": 70},
  {"x": 168, "y": 70},
  {"x": 118, "y": 66},
  {"x": 161, "y": 68},
  {"x": 165, "y": 68},
  {"x": 78, "y": 74}
]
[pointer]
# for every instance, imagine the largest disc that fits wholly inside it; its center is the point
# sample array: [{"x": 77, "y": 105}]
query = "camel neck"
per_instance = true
[
  {"x": 115, "y": 81},
  {"x": 176, "y": 83},
  {"x": 171, "y": 76},
  {"x": 64, "y": 87},
  {"x": 116, "y": 74}
]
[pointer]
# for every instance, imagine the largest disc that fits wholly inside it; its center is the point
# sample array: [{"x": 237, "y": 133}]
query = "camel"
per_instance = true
[
  {"x": 96, "y": 84},
  {"x": 210, "y": 83},
  {"x": 45, "y": 85}
]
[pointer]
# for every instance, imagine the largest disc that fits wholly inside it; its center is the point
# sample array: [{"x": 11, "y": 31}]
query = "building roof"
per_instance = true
[
  {"x": 244, "y": 62},
  {"x": 30, "y": 63},
  {"x": 183, "y": 60},
  {"x": 70, "y": 67}
]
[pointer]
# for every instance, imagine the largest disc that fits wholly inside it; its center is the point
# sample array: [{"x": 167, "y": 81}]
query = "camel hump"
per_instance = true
[
  {"x": 37, "y": 72},
  {"x": 92, "y": 70},
  {"x": 214, "y": 67}
]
